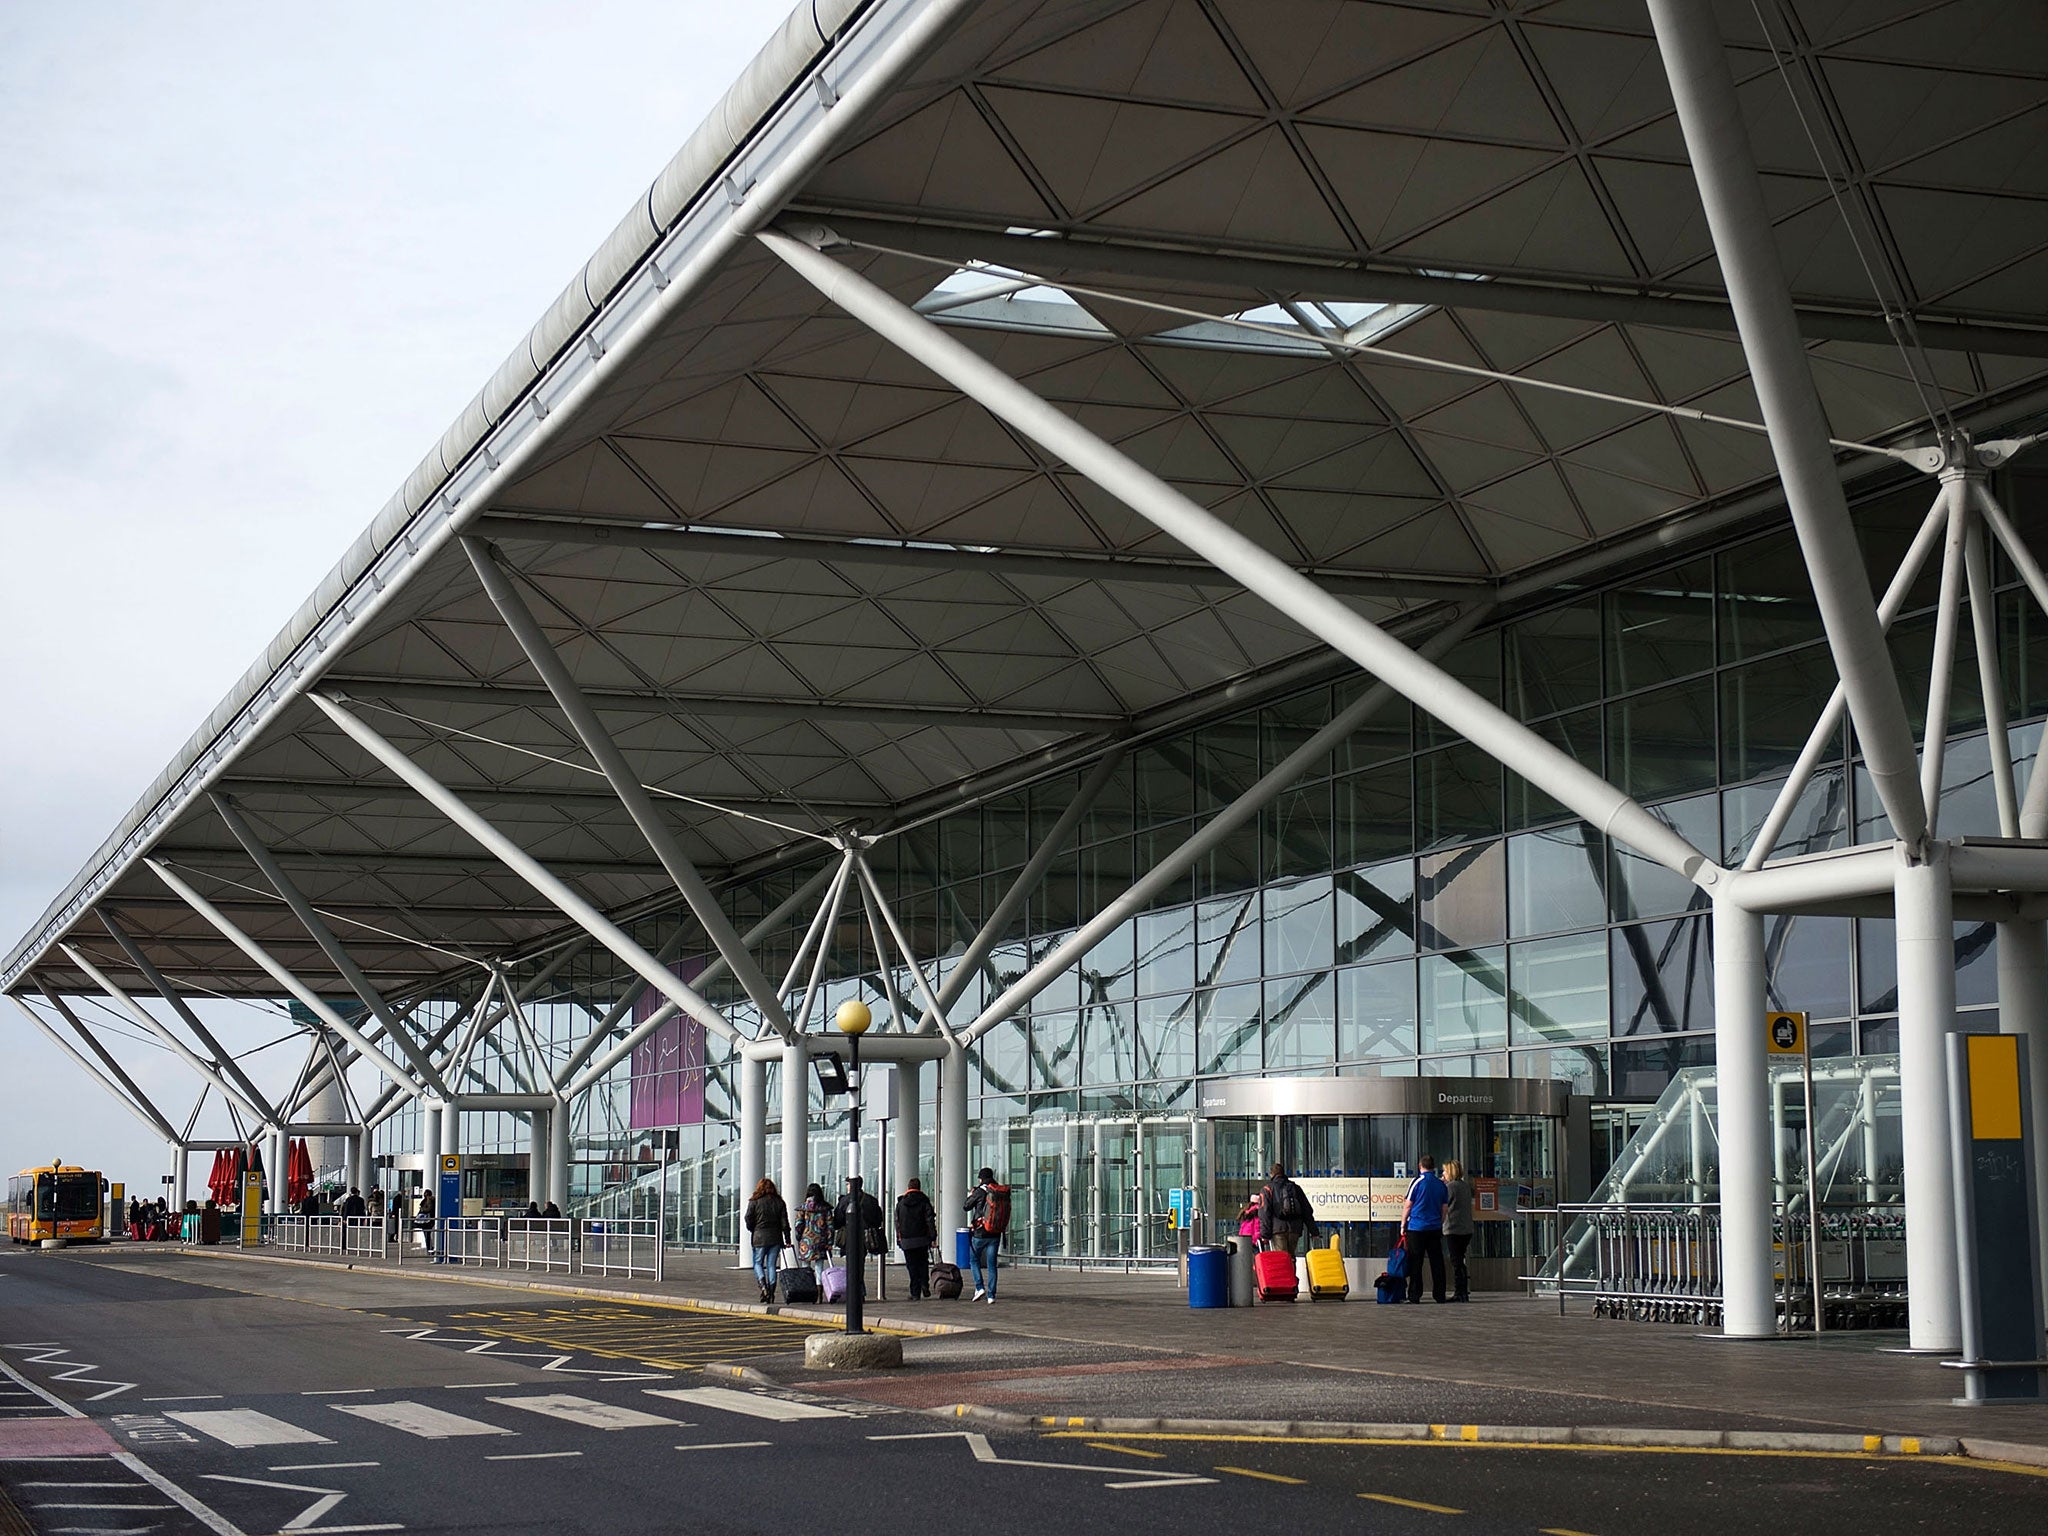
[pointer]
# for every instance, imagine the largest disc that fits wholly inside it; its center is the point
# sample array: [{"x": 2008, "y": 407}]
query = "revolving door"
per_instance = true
[{"x": 1354, "y": 1145}]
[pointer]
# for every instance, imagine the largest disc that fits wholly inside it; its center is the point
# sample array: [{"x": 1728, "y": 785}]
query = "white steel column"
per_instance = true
[
  {"x": 181, "y": 1178},
  {"x": 451, "y": 1132},
  {"x": 519, "y": 618},
  {"x": 430, "y": 1140},
  {"x": 1925, "y": 904},
  {"x": 1717, "y": 141},
  {"x": 366, "y": 1164},
  {"x": 276, "y": 1174},
  {"x": 753, "y": 1095},
  {"x": 2023, "y": 1010},
  {"x": 796, "y": 1119},
  {"x": 1748, "y": 1300},
  {"x": 558, "y": 1155},
  {"x": 528, "y": 868},
  {"x": 1322, "y": 614},
  {"x": 909, "y": 1083},
  {"x": 537, "y": 1155},
  {"x": 955, "y": 1177}
]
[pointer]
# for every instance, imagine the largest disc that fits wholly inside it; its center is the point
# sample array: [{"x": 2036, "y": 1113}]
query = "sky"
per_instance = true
[{"x": 254, "y": 259}]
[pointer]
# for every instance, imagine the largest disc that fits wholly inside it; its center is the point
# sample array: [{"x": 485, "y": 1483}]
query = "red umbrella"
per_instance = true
[
  {"x": 215, "y": 1179},
  {"x": 299, "y": 1174}
]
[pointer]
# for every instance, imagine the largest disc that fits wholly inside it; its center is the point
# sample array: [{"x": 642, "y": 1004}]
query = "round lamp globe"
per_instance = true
[{"x": 853, "y": 1017}]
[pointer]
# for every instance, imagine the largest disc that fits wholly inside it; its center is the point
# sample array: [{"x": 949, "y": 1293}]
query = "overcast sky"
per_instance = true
[{"x": 253, "y": 260}]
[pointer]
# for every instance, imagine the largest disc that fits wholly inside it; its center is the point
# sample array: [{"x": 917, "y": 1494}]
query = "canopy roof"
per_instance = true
[{"x": 804, "y": 580}]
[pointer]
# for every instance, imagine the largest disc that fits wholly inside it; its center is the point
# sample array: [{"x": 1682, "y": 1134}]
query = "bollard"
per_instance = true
[{"x": 1244, "y": 1270}]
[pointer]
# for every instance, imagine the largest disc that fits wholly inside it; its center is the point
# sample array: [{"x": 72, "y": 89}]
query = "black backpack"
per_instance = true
[{"x": 1289, "y": 1203}]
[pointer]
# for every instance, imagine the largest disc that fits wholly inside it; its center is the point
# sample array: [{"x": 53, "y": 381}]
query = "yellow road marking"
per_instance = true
[
  {"x": 1559, "y": 1530},
  {"x": 1127, "y": 1450},
  {"x": 1267, "y": 1477},
  {"x": 1433, "y": 1509}
]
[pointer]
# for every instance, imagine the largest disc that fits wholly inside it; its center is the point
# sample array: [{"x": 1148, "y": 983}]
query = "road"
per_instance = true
[{"x": 237, "y": 1399}]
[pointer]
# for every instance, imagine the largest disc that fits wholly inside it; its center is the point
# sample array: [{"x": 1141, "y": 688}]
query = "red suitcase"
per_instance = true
[{"x": 1277, "y": 1280}]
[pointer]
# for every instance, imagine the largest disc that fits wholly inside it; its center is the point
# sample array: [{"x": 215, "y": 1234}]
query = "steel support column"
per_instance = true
[
  {"x": 1924, "y": 901},
  {"x": 639, "y": 804},
  {"x": 559, "y": 1127},
  {"x": 796, "y": 1120},
  {"x": 909, "y": 1084},
  {"x": 955, "y": 1177},
  {"x": 430, "y": 1139},
  {"x": 537, "y": 1155},
  {"x": 753, "y": 1096},
  {"x": 1749, "y": 1306},
  {"x": 1717, "y": 141},
  {"x": 523, "y": 864}
]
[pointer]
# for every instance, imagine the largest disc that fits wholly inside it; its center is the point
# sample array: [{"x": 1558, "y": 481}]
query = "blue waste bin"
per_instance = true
[
  {"x": 963, "y": 1255},
  {"x": 1208, "y": 1276}
]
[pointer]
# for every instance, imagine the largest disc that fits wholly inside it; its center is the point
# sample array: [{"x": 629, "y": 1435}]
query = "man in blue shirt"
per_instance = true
[{"x": 1423, "y": 1230}]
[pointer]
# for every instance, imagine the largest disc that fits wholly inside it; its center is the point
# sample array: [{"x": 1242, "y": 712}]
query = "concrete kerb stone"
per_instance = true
[{"x": 586, "y": 1292}]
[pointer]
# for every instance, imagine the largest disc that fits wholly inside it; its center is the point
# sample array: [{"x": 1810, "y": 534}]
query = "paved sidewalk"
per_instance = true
[{"x": 1107, "y": 1344}]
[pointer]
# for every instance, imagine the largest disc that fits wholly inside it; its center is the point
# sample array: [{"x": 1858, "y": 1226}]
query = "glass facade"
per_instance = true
[{"x": 1407, "y": 907}]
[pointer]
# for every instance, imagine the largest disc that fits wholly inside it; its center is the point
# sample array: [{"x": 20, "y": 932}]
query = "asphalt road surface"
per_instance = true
[{"x": 374, "y": 1403}]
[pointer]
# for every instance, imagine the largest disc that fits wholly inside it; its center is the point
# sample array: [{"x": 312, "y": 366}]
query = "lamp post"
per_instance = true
[{"x": 853, "y": 1019}]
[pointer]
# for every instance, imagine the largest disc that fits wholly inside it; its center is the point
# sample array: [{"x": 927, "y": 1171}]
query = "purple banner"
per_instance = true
[{"x": 668, "y": 1066}]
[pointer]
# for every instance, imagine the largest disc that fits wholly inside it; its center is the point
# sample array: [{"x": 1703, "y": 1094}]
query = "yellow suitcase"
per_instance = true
[{"x": 1326, "y": 1281}]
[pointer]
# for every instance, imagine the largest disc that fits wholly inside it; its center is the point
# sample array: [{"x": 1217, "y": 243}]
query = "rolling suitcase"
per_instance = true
[
  {"x": 1277, "y": 1280},
  {"x": 1326, "y": 1278},
  {"x": 835, "y": 1283},
  {"x": 797, "y": 1285},
  {"x": 946, "y": 1281}
]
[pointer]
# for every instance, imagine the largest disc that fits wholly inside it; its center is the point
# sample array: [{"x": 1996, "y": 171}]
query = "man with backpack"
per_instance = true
[
  {"x": 1285, "y": 1217},
  {"x": 988, "y": 1218}
]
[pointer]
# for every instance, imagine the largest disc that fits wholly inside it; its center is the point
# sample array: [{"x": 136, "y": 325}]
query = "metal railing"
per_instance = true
[
  {"x": 623, "y": 1247},
  {"x": 362, "y": 1237},
  {"x": 1663, "y": 1263},
  {"x": 539, "y": 1243},
  {"x": 471, "y": 1240},
  {"x": 289, "y": 1233},
  {"x": 323, "y": 1234}
]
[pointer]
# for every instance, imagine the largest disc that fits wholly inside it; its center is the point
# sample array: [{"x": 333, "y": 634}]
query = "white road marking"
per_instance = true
[
  {"x": 533, "y": 1456},
  {"x": 727, "y": 1445},
  {"x": 324, "y": 1466},
  {"x": 753, "y": 1404},
  {"x": 245, "y": 1427},
  {"x": 218, "y": 1524},
  {"x": 189, "y": 1397},
  {"x": 103, "y": 1506},
  {"x": 419, "y": 1419},
  {"x": 587, "y": 1412},
  {"x": 76, "y": 1370},
  {"x": 477, "y": 1386},
  {"x": 984, "y": 1452},
  {"x": 340, "y": 1391},
  {"x": 308, "y": 1518}
]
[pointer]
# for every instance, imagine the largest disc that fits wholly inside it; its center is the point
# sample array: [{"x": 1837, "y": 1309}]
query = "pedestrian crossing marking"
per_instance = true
[
  {"x": 244, "y": 1427},
  {"x": 586, "y": 1411},
  {"x": 428, "y": 1423},
  {"x": 752, "y": 1404}
]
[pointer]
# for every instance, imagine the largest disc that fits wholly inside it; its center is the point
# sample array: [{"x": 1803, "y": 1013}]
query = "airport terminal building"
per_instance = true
[{"x": 1320, "y": 580}]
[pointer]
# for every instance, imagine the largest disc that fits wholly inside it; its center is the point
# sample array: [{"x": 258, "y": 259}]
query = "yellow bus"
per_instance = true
[{"x": 57, "y": 1200}]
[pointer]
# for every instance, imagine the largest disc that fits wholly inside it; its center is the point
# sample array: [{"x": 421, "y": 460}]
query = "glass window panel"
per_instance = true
[
  {"x": 1299, "y": 926},
  {"x": 1976, "y": 964},
  {"x": 1154, "y": 845},
  {"x": 1969, "y": 800},
  {"x": 1374, "y": 813},
  {"x": 1231, "y": 1029},
  {"x": 1643, "y": 1070},
  {"x": 1233, "y": 864},
  {"x": 1660, "y": 627},
  {"x": 1553, "y": 661},
  {"x": 1287, "y": 725},
  {"x": 1385, "y": 734},
  {"x": 2023, "y": 637},
  {"x": 1831, "y": 1039},
  {"x": 1227, "y": 940},
  {"x": 1055, "y": 1050},
  {"x": 1556, "y": 880},
  {"x": 1662, "y": 743},
  {"x": 1376, "y": 1011},
  {"x": 1296, "y": 828},
  {"x": 1064, "y": 990},
  {"x": 1165, "y": 774},
  {"x": 1056, "y": 904},
  {"x": 1579, "y": 738},
  {"x": 1767, "y": 602},
  {"x": 1109, "y": 814},
  {"x": 1583, "y": 1066},
  {"x": 1886, "y": 526},
  {"x": 1376, "y": 911},
  {"x": 1166, "y": 1037},
  {"x": 1108, "y": 971},
  {"x": 1049, "y": 802},
  {"x": 1877, "y": 964},
  {"x": 1807, "y": 960},
  {"x": 1464, "y": 1002},
  {"x": 1663, "y": 977},
  {"x": 1912, "y": 647},
  {"x": 1878, "y": 1037},
  {"x": 1457, "y": 795},
  {"x": 1462, "y": 896},
  {"x": 1002, "y": 1063},
  {"x": 1560, "y": 989},
  {"x": 1301, "y": 1022},
  {"x": 1769, "y": 707},
  {"x": 1492, "y": 1065},
  {"x": 1105, "y": 873},
  {"x": 1166, "y": 950},
  {"x": 1819, "y": 820},
  {"x": 1006, "y": 832},
  {"x": 1227, "y": 762},
  {"x": 1475, "y": 662},
  {"x": 1640, "y": 887}
]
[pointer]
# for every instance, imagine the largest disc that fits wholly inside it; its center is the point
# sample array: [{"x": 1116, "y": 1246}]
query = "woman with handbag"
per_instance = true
[{"x": 767, "y": 1221}]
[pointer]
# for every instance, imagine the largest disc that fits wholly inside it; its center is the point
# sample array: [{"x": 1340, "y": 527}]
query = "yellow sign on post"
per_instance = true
[{"x": 1785, "y": 1034}]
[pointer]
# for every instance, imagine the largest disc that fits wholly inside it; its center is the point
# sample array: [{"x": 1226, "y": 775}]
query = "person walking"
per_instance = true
[
  {"x": 988, "y": 1218},
  {"x": 1422, "y": 1224},
  {"x": 917, "y": 1229},
  {"x": 1285, "y": 1216},
  {"x": 767, "y": 1219},
  {"x": 859, "y": 1232},
  {"x": 352, "y": 1206},
  {"x": 1458, "y": 1226},
  {"x": 814, "y": 1230}
]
